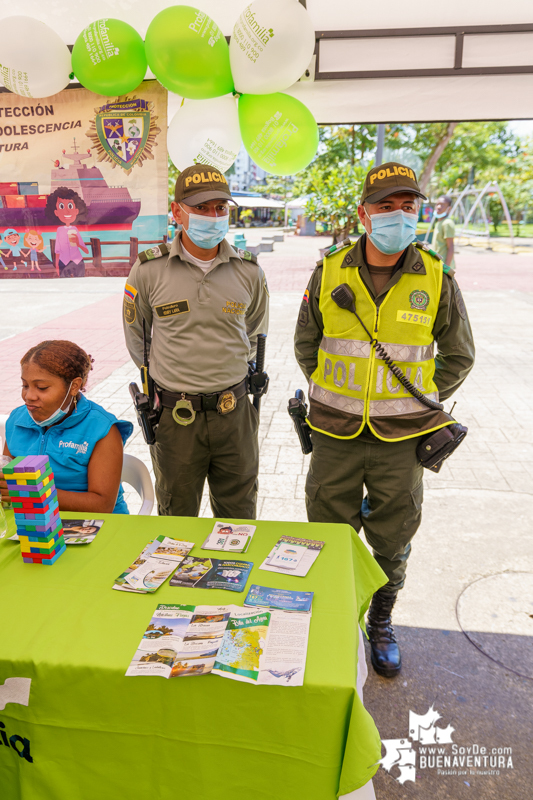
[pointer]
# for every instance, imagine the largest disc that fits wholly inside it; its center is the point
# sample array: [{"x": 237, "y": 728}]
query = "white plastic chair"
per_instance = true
[
  {"x": 3, "y": 418},
  {"x": 135, "y": 473}
]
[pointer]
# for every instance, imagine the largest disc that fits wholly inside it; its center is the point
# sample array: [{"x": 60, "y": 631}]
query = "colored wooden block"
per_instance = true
[
  {"x": 9, "y": 469},
  {"x": 47, "y": 552},
  {"x": 35, "y": 559},
  {"x": 26, "y": 543},
  {"x": 30, "y": 483},
  {"x": 40, "y": 523},
  {"x": 31, "y": 478},
  {"x": 32, "y": 464},
  {"x": 31, "y": 505},
  {"x": 41, "y": 536}
]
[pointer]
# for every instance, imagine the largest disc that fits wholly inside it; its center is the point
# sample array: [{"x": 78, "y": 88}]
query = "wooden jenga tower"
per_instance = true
[{"x": 30, "y": 482}]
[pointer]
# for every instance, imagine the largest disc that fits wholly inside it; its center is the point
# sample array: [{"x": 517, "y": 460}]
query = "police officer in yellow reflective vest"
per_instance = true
[{"x": 366, "y": 426}]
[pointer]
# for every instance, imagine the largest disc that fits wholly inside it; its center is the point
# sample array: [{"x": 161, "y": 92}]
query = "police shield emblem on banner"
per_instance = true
[{"x": 123, "y": 132}]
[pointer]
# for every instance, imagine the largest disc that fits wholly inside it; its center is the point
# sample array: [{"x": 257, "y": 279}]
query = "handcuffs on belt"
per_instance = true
[{"x": 226, "y": 403}]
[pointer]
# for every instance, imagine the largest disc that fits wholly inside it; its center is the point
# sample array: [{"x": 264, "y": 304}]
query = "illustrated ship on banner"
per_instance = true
[{"x": 21, "y": 205}]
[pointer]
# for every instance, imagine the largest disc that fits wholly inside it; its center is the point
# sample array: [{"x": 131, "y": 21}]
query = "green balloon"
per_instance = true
[
  {"x": 188, "y": 53},
  {"x": 108, "y": 57},
  {"x": 279, "y": 133}
]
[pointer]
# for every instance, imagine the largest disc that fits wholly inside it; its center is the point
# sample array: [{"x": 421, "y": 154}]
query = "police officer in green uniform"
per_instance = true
[
  {"x": 366, "y": 425},
  {"x": 203, "y": 305}
]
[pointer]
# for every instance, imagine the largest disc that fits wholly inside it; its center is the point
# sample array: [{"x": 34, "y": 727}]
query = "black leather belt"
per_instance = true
[{"x": 202, "y": 402}]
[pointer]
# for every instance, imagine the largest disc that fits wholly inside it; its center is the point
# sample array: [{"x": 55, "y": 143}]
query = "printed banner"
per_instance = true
[{"x": 83, "y": 181}]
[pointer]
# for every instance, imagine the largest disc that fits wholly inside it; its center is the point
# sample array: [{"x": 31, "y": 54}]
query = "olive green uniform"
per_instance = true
[
  {"x": 390, "y": 513},
  {"x": 202, "y": 330}
]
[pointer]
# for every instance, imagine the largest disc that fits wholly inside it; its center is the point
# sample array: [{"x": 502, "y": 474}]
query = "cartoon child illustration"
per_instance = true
[
  {"x": 35, "y": 244},
  {"x": 12, "y": 238},
  {"x": 1, "y": 259},
  {"x": 66, "y": 205}
]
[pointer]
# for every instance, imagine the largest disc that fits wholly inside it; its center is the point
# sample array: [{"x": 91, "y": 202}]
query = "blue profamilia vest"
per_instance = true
[{"x": 68, "y": 445}]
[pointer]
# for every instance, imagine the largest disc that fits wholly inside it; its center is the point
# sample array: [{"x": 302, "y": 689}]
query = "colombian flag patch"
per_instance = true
[
  {"x": 306, "y": 295},
  {"x": 129, "y": 293}
]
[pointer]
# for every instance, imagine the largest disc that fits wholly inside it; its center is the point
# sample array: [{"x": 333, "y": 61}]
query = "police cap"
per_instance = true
[
  {"x": 387, "y": 179},
  {"x": 200, "y": 183}
]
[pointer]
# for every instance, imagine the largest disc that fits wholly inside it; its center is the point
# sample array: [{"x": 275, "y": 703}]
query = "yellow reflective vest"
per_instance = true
[{"x": 351, "y": 386}]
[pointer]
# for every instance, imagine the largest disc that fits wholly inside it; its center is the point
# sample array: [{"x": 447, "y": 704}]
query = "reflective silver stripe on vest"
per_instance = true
[
  {"x": 350, "y": 405},
  {"x": 399, "y": 407},
  {"x": 357, "y": 349},
  {"x": 345, "y": 347}
]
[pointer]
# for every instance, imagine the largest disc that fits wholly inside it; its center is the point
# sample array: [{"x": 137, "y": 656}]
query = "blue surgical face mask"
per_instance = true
[
  {"x": 393, "y": 231},
  {"x": 207, "y": 232},
  {"x": 441, "y": 215},
  {"x": 57, "y": 415}
]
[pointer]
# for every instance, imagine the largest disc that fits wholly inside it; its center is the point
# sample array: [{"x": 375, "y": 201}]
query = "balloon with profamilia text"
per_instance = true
[
  {"x": 271, "y": 46},
  {"x": 34, "y": 60},
  {"x": 188, "y": 53},
  {"x": 279, "y": 133},
  {"x": 205, "y": 132},
  {"x": 108, "y": 57}
]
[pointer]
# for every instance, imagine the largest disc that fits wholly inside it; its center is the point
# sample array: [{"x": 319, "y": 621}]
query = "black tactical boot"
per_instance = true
[{"x": 385, "y": 653}]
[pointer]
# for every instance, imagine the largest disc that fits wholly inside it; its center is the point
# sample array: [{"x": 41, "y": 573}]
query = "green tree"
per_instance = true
[{"x": 333, "y": 197}]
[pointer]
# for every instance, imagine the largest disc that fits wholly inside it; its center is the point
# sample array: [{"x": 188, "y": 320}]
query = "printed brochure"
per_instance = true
[
  {"x": 81, "y": 531},
  {"x": 152, "y": 567},
  {"x": 245, "y": 644},
  {"x": 212, "y": 573},
  {"x": 229, "y": 537},
  {"x": 311, "y": 552},
  {"x": 279, "y": 599}
]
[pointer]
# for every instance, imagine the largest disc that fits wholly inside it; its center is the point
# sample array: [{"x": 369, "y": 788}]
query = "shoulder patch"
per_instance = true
[
  {"x": 247, "y": 256},
  {"x": 449, "y": 271},
  {"x": 336, "y": 247},
  {"x": 425, "y": 246},
  {"x": 154, "y": 252}
]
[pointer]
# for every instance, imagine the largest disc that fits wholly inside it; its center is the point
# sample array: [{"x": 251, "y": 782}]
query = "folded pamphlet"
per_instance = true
[
  {"x": 76, "y": 531},
  {"x": 306, "y": 559},
  {"x": 212, "y": 573},
  {"x": 152, "y": 567},
  {"x": 245, "y": 644},
  {"x": 279, "y": 599},
  {"x": 229, "y": 537}
]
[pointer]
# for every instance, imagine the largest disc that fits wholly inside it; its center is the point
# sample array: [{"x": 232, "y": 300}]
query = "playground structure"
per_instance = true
[{"x": 469, "y": 212}]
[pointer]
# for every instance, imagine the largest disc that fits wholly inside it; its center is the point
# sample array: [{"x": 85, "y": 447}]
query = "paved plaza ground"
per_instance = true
[{"x": 466, "y": 614}]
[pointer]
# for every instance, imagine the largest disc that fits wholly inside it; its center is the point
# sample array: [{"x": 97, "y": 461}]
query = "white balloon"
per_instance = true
[
  {"x": 34, "y": 60},
  {"x": 205, "y": 132},
  {"x": 271, "y": 46}
]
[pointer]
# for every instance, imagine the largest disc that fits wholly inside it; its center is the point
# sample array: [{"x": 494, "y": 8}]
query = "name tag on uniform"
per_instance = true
[
  {"x": 169, "y": 309},
  {"x": 415, "y": 319}
]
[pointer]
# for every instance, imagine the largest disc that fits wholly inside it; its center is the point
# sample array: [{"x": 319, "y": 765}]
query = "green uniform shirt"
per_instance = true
[
  {"x": 451, "y": 330},
  {"x": 444, "y": 229},
  {"x": 201, "y": 328}
]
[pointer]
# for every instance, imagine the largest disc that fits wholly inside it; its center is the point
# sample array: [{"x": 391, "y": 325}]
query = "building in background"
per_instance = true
[{"x": 245, "y": 173}]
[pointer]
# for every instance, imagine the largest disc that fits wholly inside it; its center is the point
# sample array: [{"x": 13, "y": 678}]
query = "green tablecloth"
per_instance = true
[{"x": 94, "y": 732}]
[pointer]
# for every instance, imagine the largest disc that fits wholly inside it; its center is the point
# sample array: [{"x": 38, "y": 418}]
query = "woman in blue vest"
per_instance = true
[{"x": 83, "y": 441}]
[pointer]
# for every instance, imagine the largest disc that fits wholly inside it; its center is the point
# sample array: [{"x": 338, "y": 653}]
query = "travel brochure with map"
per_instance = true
[
  {"x": 212, "y": 573},
  {"x": 229, "y": 537},
  {"x": 245, "y": 644},
  {"x": 152, "y": 567},
  {"x": 292, "y": 556},
  {"x": 279, "y": 599}
]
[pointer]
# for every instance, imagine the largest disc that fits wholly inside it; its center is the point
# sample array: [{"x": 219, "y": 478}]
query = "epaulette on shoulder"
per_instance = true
[
  {"x": 319, "y": 263},
  {"x": 335, "y": 248},
  {"x": 247, "y": 256},
  {"x": 449, "y": 271},
  {"x": 154, "y": 252}
]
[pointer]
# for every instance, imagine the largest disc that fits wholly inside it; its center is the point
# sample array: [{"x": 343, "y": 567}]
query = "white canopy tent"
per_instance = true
[{"x": 386, "y": 62}]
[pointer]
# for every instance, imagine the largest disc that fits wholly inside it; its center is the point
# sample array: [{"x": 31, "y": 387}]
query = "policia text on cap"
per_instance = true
[
  {"x": 203, "y": 305},
  {"x": 365, "y": 424}
]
